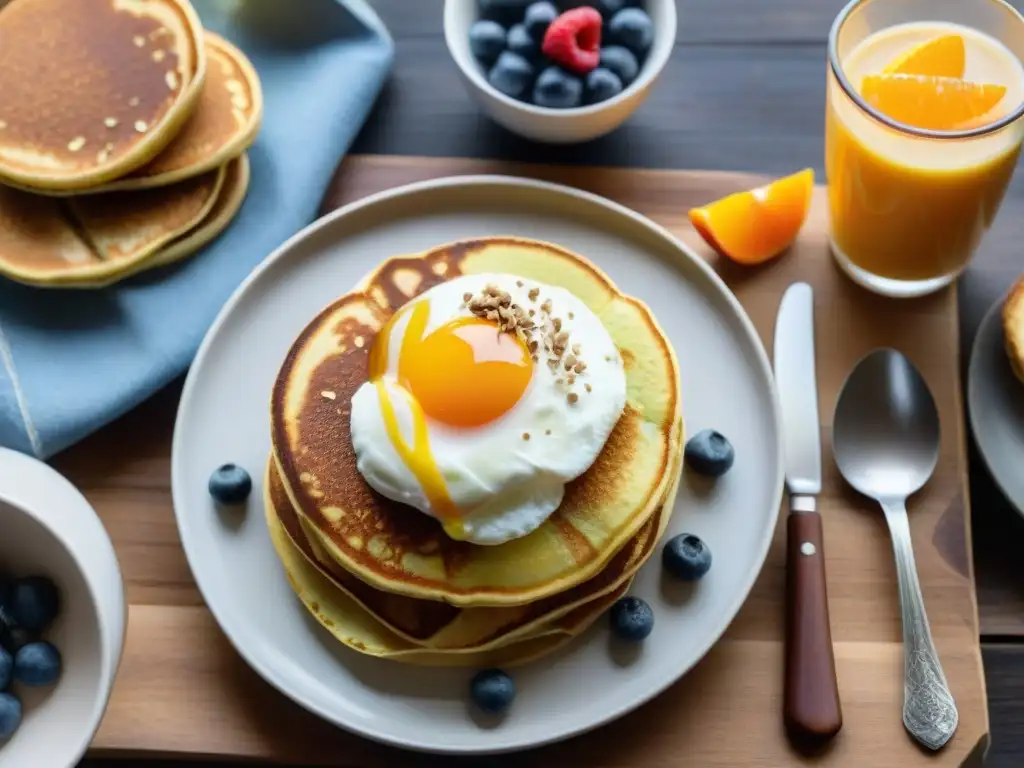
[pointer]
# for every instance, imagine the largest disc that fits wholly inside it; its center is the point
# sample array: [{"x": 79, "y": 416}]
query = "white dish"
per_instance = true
[
  {"x": 224, "y": 417},
  {"x": 995, "y": 399},
  {"x": 50, "y": 529},
  {"x": 557, "y": 126}
]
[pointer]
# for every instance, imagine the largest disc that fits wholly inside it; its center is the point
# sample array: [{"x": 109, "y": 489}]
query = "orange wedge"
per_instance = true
[
  {"x": 942, "y": 56},
  {"x": 757, "y": 225},
  {"x": 936, "y": 103}
]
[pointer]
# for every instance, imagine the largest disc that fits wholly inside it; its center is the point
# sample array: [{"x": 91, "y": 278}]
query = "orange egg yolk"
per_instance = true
[{"x": 466, "y": 373}]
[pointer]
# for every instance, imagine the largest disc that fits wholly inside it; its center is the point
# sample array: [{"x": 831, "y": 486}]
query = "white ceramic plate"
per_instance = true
[
  {"x": 223, "y": 417},
  {"x": 995, "y": 399}
]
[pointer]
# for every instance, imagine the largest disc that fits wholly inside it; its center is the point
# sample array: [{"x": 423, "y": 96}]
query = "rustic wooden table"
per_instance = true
[{"x": 744, "y": 91}]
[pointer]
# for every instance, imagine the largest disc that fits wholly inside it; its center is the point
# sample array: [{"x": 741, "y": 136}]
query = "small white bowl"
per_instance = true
[
  {"x": 557, "y": 126},
  {"x": 50, "y": 529}
]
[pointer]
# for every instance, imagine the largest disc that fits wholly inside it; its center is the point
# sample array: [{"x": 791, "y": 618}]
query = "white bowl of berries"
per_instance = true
[
  {"x": 560, "y": 71},
  {"x": 62, "y": 616}
]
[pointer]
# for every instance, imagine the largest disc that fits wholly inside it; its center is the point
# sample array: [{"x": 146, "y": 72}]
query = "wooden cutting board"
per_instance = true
[{"x": 183, "y": 690}]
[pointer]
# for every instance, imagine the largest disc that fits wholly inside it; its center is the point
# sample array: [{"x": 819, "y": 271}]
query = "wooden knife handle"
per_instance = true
[{"x": 811, "y": 704}]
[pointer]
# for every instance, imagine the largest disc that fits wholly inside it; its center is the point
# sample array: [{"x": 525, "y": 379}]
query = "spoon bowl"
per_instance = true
[
  {"x": 886, "y": 427},
  {"x": 885, "y": 436}
]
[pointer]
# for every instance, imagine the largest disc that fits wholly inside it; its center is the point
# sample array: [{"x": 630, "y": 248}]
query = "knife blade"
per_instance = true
[{"x": 811, "y": 707}]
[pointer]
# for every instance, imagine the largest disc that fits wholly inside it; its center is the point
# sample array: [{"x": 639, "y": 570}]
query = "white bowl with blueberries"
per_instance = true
[
  {"x": 560, "y": 71},
  {"x": 62, "y": 616}
]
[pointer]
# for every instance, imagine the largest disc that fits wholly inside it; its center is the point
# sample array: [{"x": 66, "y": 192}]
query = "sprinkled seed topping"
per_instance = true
[
  {"x": 76, "y": 143},
  {"x": 328, "y": 394},
  {"x": 172, "y": 80},
  {"x": 133, "y": 101},
  {"x": 140, "y": 126},
  {"x": 158, "y": 55},
  {"x": 139, "y": 41},
  {"x": 110, "y": 122},
  {"x": 572, "y": 397}
]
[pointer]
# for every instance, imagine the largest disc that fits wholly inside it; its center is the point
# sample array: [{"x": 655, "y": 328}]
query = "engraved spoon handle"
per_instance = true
[{"x": 929, "y": 712}]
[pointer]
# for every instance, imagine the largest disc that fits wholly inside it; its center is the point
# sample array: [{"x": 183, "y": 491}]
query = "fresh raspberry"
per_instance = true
[{"x": 574, "y": 40}]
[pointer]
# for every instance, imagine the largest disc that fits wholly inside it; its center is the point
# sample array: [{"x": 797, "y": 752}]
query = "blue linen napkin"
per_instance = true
[{"x": 73, "y": 361}]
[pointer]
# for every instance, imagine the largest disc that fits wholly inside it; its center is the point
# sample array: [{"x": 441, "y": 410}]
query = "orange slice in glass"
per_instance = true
[
  {"x": 936, "y": 103},
  {"x": 755, "y": 226},
  {"x": 942, "y": 56}
]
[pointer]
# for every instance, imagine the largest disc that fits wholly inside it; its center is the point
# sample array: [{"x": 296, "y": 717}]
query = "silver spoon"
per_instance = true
[{"x": 885, "y": 436}]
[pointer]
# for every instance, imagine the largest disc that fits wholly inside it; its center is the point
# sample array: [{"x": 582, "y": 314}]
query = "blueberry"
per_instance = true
[
  {"x": 10, "y": 715},
  {"x": 601, "y": 85},
  {"x": 686, "y": 557},
  {"x": 37, "y": 664},
  {"x": 538, "y": 18},
  {"x": 32, "y": 604},
  {"x": 492, "y": 690},
  {"x": 632, "y": 27},
  {"x": 6, "y": 668},
  {"x": 609, "y": 8},
  {"x": 11, "y": 636},
  {"x": 519, "y": 41},
  {"x": 230, "y": 484},
  {"x": 505, "y": 11},
  {"x": 621, "y": 61},
  {"x": 632, "y": 619},
  {"x": 511, "y": 74},
  {"x": 487, "y": 40},
  {"x": 557, "y": 89},
  {"x": 709, "y": 453}
]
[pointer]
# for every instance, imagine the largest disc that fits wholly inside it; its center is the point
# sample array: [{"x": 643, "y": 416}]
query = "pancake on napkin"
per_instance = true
[
  {"x": 94, "y": 240},
  {"x": 93, "y": 89}
]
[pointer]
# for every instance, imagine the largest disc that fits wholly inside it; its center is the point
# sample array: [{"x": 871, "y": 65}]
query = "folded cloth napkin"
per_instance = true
[{"x": 72, "y": 361}]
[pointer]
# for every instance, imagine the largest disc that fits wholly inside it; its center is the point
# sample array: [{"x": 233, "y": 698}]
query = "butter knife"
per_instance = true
[{"x": 811, "y": 706}]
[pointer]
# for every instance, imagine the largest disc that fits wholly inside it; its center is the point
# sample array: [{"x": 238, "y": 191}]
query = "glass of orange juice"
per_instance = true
[{"x": 923, "y": 129}]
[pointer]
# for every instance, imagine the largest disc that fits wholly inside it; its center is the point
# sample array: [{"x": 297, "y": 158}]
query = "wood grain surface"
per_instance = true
[{"x": 183, "y": 689}]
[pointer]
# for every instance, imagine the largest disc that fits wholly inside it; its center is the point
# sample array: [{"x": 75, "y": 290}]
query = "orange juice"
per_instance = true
[{"x": 909, "y": 204}]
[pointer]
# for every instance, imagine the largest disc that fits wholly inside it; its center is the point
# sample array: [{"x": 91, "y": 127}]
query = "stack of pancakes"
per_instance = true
[
  {"x": 123, "y": 132},
  {"x": 384, "y": 578}
]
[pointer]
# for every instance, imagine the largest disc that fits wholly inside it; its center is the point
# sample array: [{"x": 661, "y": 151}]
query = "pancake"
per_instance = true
[
  {"x": 223, "y": 212},
  {"x": 442, "y": 626},
  {"x": 89, "y": 240},
  {"x": 398, "y": 549},
  {"x": 1013, "y": 328},
  {"x": 224, "y": 124},
  {"x": 358, "y": 630},
  {"x": 93, "y": 89}
]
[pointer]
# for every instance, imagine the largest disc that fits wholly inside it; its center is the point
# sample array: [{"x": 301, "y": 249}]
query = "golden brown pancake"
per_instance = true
[
  {"x": 358, "y": 630},
  {"x": 93, "y": 239},
  {"x": 225, "y": 208},
  {"x": 93, "y": 89},
  {"x": 126, "y": 227},
  {"x": 1013, "y": 328},
  {"x": 442, "y": 626},
  {"x": 398, "y": 549},
  {"x": 224, "y": 124}
]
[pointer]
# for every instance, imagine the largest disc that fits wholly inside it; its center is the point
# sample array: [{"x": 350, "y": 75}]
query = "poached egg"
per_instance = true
[{"x": 487, "y": 394}]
